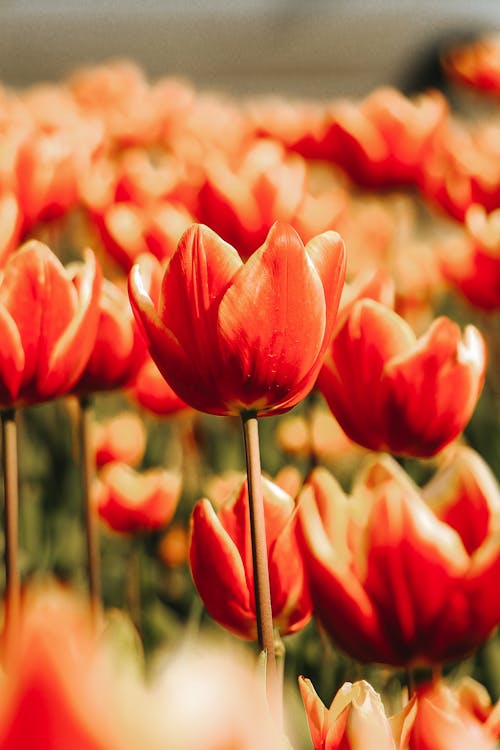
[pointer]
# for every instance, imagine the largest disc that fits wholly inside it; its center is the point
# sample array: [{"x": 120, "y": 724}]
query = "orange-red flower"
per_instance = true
[
  {"x": 472, "y": 263},
  {"x": 153, "y": 393},
  {"x": 460, "y": 717},
  {"x": 56, "y": 691},
  {"x": 396, "y": 579},
  {"x": 476, "y": 64},
  {"x": 120, "y": 438},
  {"x": 230, "y": 336},
  {"x": 48, "y": 323},
  {"x": 130, "y": 501},
  {"x": 382, "y": 140},
  {"x": 119, "y": 348},
  {"x": 355, "y": 719},
  {"x": 220, "y": 556},
  {"x": 391, "y": 391}
]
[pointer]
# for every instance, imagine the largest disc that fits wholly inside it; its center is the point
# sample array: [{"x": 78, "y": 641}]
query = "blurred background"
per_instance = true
[{"x": 315, "y": 48}]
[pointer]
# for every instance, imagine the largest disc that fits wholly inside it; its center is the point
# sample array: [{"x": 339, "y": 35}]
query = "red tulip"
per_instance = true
[
  {"x": 473, "y": 264},
  {"x": 121, "y": 438},
  {"x": 220, "y": 556},
  {"x": 460, "y": 718},
  {"x": 153, "y": 393},
  {"x": 397, "y": 580},
  {"x": 119, "y": 348},
  {"x": 391, "y": 391},
  {"x": 48, "y": 322},
  {"x": 476, "y": 64},
  {"x": 355, "y": 719},
  {"x": 231, "y": 337},
  {"x": 56, "y": 691},
  {"x": 130, "y": 501},
  {"x": 382, "y": 140}
]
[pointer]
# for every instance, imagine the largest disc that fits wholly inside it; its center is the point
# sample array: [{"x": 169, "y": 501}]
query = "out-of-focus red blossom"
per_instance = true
[
  {"x": 398, "y": 580},
  {"x": 460, "y": 717},
  {"x": 119, "y": 348},
  {"x": 232, "y": 337},
  {"x": 56, "y": 690},
  {"x": 56, "y": 146},
  {"x": 48, "y": 322},
  {"x": 476, "y": 64},
  {"x": 174, "y": 546},
  {"x": 472, "y": 261},
  {"x": 120, "y": 438},
  {"x": 382, "y": 140},
  {"x": 121, "y": 97},
  {"x": 355, "y": 719},
  {"x": 132, "y": 502},
  {"x": 301, "y": 126},
  {"x": 220, "y": 556},
  {"x": 10, "y": 225},
  {"x": 152, "y": 392},
  {"x": 463, "y": 168},
  {"x": 391, "y": 391},
  {"x": 128, "y": 230},
  {"x": 268, "y": 185}
]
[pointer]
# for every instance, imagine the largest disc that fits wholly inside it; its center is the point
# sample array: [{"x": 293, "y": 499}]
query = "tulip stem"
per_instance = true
[
  {"x": 11, "y": 515},
  {"x": 259, "y": 552},
  {"x": 133, "y": 584},
  {"x": 91, "y": 521}
]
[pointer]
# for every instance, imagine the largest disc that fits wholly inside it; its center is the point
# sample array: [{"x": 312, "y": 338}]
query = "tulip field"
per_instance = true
[{"x": 250, "y": 415}]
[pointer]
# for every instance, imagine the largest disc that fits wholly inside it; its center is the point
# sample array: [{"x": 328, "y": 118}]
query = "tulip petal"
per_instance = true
[
  {"x": 267, "y": 340},
  {"x": 425, "y": 385},
  {"x": 12, "y": 359},
  {"x": 327, "y": 252},
  {"x": 70, "y": 353},
  {"x": 218, "y": 572}
]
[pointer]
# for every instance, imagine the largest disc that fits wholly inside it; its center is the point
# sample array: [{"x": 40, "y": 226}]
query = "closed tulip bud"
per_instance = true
[
  {"x": 394, "y": 579},
  {"x": 48, "y": 324},
  {"x": 409, "y": 396},
  {"x": 132, "y": 502},
  {"x": 355, "y": 719},
  {"x": 458, "y": 718},
  {"x": 220, "y": 556},
  {"x": 232, "y": 337}
]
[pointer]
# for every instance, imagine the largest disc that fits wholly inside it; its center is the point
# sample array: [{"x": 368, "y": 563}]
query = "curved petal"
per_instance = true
[
  {"x": 271, "y": 321},
  {"x": 72, "y": 349},
  {"x": 328, "y": 254},
  {"x": 218, "y": 573},
  {"x": 350, "y": 378},
  {"x": 11, "y": 359}
]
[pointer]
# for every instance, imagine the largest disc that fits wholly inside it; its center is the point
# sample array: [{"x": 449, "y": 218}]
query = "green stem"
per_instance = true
[
  {"x": 133, "y": 584},
  {"x": 91, "y": 520},
  {"x": 11, "y": 500},
  {"x": 259, "y": 552}
]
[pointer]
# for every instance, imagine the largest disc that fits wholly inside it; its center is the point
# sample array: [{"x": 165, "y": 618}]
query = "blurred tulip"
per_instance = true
[
  {"x": 382, "y": 140},
  {"x": 132, "y": 502},
  {"x": 355, "y": 719},
  {"x": 153, "y": 393},
  {"x": 391, "y": 391},
  {"x": 56, "y": 691},
  {"x": 119, "y": 348},
  {"x": 393, "y": 580},
  {"x": 232, "y": 337},
  {"x": 475, "y": 64},
  {"x": 49, "y": 319},
  {"x": 10, "y": 225},
  {"x": 220, "y": 555},
  {"x": 269, "y": 185},
  {"x": 458, "y": 718},
  {"x": 472, "y": 262},
  {"x": 174, "y": 546},
  {"x": 120, "y": 438}
]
